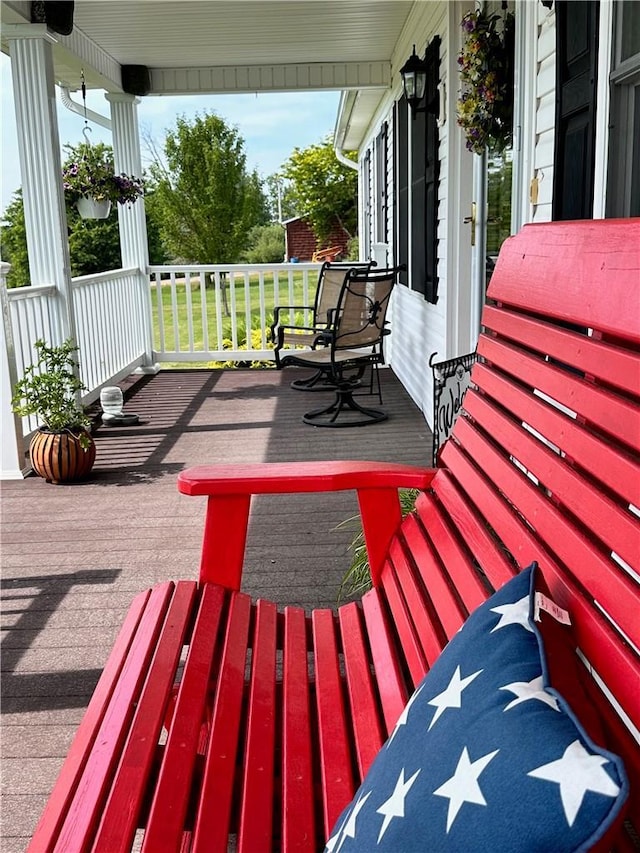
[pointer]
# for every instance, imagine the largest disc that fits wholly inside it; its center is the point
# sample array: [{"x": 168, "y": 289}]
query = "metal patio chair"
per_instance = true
[
  {"x": 330, "y": 280},
  {"x": 353, "y": 341}
]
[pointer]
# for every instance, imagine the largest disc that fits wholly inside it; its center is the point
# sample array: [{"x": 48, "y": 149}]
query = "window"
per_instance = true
[{"x": 381, "y": 185}]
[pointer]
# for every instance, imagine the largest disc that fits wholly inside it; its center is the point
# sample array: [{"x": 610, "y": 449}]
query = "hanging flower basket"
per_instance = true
[
  {"x": 91, "y": 208},
  {"x": 90, "y": 176},
  {"x": 485, "y": 102}
]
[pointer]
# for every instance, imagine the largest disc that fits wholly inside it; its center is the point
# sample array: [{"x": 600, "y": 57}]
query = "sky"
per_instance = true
[{"x": 272, "y": 125}]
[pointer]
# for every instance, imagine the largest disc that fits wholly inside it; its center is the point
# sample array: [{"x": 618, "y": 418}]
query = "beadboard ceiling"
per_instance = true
[{"x": 231, "y": 45}]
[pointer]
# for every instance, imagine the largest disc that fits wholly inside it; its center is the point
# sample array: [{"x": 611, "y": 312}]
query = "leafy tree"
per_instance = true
[
  {"x": 281, "y": 208},
  {"x": 205, "y": 199},
  {"x": 266, "y": 245},
  {"x": 14, "y": 242},
  {"x": 323, "y": 189}
]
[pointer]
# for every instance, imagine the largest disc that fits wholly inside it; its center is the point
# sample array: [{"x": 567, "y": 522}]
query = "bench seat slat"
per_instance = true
[
  {"x": 214, "y": 808},
  {"x": 618, "y": 529},
  {"x": 605, "y": 462},
  {"x": 611, "y": 587},
  {"x": 298, "y": 814},
  {"x": 334, "y": 743},
  {"x": 175, "y": 778},
  {"x": 84, "y": 812},
  {"x": 121, "y": 813},
  {"x": 256, "y": 810},
  {"x": 62, "y": 793},
  {"x": 364, "y": 710},
  {"x": 610, "y": 412},
  {"x": 610, "y": 364}
]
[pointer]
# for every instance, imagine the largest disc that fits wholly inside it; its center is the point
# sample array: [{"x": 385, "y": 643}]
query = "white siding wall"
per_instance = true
[
  {"x": 545, "y": 113},
  {"x": 418, "y": 327}
]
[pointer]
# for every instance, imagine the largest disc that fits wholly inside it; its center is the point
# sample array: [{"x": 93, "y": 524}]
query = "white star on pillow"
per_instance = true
[
  {"x": 516, "y": 613},
  {"x": 526, "y": 690},
  {"x": 577, "y": 772}
]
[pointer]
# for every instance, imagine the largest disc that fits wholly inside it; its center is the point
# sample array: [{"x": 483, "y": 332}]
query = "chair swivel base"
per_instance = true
[
  {"x": 318, "y": 381},
  {"x": 322, "y": 381},
  {"x": 344, "y": 405}
]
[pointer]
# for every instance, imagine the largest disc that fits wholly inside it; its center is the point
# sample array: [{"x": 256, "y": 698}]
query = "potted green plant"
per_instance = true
[
  {"x": 91, "y": 184},
  {"x": 61, "y": 449}
]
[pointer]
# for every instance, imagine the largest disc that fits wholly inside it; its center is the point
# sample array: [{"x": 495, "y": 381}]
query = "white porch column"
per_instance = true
[
  {"x": 13, "y": 465},
  {"x": 40, "y": 164},
  {"x": 131, "y": 218}
]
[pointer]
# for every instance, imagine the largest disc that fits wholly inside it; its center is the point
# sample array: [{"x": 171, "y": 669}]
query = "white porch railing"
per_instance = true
[
  {"x": 109, "y": 316},
  {"x": 109, "y": 320},
  {"x": 223, "y": 312},
  {"x": 198, "y": 314}
]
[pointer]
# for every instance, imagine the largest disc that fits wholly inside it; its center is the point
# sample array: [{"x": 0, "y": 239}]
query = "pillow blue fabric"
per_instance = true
[{"x": 487, "y": 756}]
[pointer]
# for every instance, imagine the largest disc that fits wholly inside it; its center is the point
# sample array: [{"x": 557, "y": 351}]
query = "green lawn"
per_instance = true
[{"x": 185, "y": 302}]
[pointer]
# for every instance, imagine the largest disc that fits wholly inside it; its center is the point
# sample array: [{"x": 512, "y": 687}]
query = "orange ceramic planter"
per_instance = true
[{"x": 59, "y": 457}]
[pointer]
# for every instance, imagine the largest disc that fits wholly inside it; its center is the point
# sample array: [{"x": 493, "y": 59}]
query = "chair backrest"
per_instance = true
[
  {"x": 330, "y": 281},
  {"x": 362, "y": 308}
]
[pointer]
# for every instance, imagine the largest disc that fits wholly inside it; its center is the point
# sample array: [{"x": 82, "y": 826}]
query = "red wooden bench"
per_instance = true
[{"x": 219, "y": 717}]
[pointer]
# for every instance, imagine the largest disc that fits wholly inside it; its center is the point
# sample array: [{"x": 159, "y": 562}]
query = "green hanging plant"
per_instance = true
[
  {"x": 485, "y": 102},
  {"x": 90, "y": 174}
]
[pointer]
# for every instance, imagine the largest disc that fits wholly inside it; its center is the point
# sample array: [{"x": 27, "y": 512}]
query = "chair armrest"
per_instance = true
[
  {"x": 230, "y": 488},
  {"x": 276, "y": 316}
]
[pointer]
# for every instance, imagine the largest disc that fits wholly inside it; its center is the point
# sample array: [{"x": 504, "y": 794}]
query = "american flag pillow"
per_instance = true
[{"x": 486, "y": 756}]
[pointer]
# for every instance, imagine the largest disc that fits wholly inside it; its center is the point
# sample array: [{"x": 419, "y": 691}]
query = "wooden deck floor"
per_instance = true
[{"x": 73, "y": 556}]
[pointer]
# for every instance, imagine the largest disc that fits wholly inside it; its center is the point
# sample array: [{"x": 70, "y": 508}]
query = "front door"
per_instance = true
[
  {"x": 576, "y": 82},
  {"x": 490, "y": 215}
]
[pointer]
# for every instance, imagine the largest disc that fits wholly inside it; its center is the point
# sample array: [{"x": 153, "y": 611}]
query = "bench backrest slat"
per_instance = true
[
  {"x": 396, "y": 588},
  {"x": 452, "y": 552},
  {"x": 610, "y": 364},
  {"x": 592, "y": 509},
  {"x": 602, "y": 408},
  {"x": 615, "y": 468},
  {"x": 586, "y": 275}
]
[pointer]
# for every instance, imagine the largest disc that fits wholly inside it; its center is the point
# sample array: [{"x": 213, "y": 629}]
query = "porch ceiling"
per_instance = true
[{"x": 206, "y": 46}]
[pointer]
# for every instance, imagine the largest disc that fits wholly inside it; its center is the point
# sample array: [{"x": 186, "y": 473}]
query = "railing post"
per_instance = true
[
  {"x": 13, "y": 465},
  {"x": 134, "y": 243}
]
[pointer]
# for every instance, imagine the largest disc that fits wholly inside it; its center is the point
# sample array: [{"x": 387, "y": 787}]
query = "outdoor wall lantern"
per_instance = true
[{"x": 414, "y": 81}]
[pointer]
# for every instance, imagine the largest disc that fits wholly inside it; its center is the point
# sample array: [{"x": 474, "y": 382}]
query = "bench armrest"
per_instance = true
[{"x": 230, "y": 487}]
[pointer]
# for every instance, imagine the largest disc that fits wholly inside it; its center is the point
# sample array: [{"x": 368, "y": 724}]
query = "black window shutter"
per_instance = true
[
  {"x": 576, "y": 78},
  {"x": 402, "y": 186},
  {"x": 432, "y": 171},
  {"x": 424, "y": 183}
]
